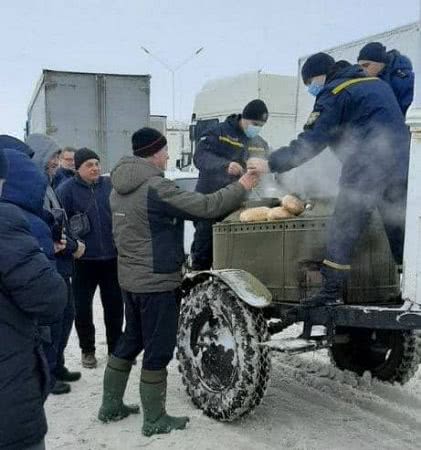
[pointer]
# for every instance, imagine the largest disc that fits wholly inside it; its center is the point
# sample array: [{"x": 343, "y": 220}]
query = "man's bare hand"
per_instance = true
[
  {"x": 235, "y": 169},
  {"x": 60, "y": 246},
  {"x": 249, "y": 180},
  {"x": 81, "y": 247},
  {"x": 259, "y": 165}
]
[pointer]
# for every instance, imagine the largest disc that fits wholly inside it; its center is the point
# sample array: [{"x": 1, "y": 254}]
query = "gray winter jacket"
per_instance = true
[{"x": 148, "y": 214}]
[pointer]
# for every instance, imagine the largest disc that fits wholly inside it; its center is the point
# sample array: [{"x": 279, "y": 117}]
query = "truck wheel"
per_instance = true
[
  {"x": 390, "y": 355},
  {"x": 223, "y": 366}
]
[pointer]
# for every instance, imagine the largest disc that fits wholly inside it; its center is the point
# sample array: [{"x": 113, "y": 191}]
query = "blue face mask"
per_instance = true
[
  {"x": 314, "y": 88},
  {"x": 252, "y": 131}
]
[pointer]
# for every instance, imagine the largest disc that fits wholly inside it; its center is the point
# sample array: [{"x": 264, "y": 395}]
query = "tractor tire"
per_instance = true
[
  {"x": 390, "y": 355},
  {"x": 224, "y": 368}
]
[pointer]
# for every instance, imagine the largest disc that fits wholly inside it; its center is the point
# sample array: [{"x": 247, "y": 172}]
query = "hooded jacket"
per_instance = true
[
  {"x": 25, "y": 186},
  {"x": 399, "y": 74},
  {"x": 61, "y": 176},
  {"x": 360, "y": 120},
  {"x": 148, "y": 217},
  {"x": 221, "y": 145},
  {"x": 44, "y": 147},
  {"x": 31, "y": 292}
]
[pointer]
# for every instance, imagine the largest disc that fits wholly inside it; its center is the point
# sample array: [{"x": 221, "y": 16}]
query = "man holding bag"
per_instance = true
[{"x": 85, "y": 197}]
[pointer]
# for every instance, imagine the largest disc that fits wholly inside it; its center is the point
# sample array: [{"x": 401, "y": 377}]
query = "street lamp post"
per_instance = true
[{"x": 172, "y": 70}]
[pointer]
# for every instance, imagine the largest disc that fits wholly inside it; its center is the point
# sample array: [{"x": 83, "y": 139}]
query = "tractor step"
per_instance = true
[{"x": 296, "y": 345}]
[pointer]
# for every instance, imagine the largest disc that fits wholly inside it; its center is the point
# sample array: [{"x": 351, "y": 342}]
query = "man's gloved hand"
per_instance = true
[
  {"x": 249, "y": 180},
  {"x": 260, "y": 166},
  {"x": 235, "y": 169}
]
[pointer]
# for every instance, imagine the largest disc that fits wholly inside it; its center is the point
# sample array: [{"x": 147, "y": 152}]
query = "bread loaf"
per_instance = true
[
  {"x": 259, "y": 214},
  {"x": 293, "y": 204},
  {"x": 279, "y": 213}
]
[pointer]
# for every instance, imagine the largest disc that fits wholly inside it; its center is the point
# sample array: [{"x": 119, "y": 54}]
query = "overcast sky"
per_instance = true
[{"x": 238, "y": 36}]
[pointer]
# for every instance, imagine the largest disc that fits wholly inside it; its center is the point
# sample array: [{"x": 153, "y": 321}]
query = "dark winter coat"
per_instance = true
[
  {"x": 218, "y": 147},
  {"x": 148, "y": 217},
  {"x": 399, "y": 74},
  {"x": 31, "y": 291},
  {"x": 360, "y": 120},
  {"x": 25, "y": 187},
  {"x": 77, "y": 196},
  {"x": 44, "y": 148},
  {"x": 61, "y": 176}
]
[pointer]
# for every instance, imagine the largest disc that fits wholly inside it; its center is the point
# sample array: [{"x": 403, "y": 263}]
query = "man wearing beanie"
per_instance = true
[
  {"x": 148, "y": 215},
  {"x": 393, "y": 68},
  {"x": 359, "y": 118},
  {"x": 221, "y": 156},
  {"x": 85, "y": 197}
]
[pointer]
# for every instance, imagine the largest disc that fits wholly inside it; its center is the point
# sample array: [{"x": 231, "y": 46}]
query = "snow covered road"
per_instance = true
[{"x": 308, "y": 405}]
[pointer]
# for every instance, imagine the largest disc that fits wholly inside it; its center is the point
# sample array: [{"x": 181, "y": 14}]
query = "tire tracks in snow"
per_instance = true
[{"x": 385, "y": 407}]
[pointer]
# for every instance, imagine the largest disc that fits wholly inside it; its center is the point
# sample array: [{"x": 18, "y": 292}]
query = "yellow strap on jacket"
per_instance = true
[
  {"x": 231, "y": 142},
  {"x": 340, "y": 87}
]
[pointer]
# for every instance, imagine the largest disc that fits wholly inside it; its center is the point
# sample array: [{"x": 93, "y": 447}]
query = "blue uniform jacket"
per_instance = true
[
  {"x": 218, "y": 147},
  {"x": 25, "y": 187},
  {"x": 76, "y": 197},
  {"x": 399, "y": 74},
  {"x": 360, "y": 120}
]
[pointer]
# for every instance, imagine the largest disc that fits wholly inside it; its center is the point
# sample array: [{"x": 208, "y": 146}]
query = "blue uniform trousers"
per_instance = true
[{"x": 352, "y": 213}]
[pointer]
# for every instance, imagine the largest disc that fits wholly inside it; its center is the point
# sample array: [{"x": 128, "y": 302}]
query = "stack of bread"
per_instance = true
[{"x": 291, "y": 207}]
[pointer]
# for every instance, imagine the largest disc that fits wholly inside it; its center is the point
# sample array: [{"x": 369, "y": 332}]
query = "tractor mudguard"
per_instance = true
[{"x": 247, "y": 287}]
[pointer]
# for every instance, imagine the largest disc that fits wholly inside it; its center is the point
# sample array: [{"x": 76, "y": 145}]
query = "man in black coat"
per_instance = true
[{"x": 30, "y": 291}]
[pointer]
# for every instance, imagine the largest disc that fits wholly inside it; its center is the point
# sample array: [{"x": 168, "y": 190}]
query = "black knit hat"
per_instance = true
[
  {"x": 317, "y": 64},
  {"x": 147, "y": 141},
  {"x": 256, "y": 110},
  {"x": 373, "y": 51},
  {"x": 3, "y": 165},
  {"x": 82, "y": 155}
]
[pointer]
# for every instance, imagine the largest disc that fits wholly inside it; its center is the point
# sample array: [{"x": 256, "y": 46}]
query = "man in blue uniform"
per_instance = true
[
  {"x": 221, "y": 157},
  {"x": 359, "y": 118},
  {"x": 392, "y": 67}
]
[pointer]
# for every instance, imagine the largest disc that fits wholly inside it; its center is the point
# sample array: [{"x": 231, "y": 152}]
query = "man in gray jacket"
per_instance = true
[{"x": 148, "y": 215}]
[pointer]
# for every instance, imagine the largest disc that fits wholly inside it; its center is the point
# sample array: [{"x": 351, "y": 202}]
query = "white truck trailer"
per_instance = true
[
  {"x": 95, "y": 110},
  {"x": 220, "y": 98}
]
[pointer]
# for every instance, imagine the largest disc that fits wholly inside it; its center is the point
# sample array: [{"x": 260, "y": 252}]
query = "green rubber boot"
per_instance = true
[
  {"x": 153, "y": 393},
  {"x": 115, "y": 380}
]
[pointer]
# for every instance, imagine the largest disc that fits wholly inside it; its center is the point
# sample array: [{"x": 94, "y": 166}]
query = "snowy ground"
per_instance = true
[{"x": 308, "y": 405}]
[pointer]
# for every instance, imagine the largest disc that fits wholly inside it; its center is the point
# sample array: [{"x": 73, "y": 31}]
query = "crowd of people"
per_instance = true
[{"x": 67, "y": 230}]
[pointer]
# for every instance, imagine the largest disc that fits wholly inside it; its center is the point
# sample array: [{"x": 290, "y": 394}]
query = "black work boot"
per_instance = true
[
  {"x": 64, "y": 374},
  {"x": 331, "y": 292},
  {"x": 60, "y": 388}
]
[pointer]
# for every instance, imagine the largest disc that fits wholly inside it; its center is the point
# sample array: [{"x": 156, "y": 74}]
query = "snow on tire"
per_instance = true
[
  {"x": 223, "y": 366},
  {"x": 390, "y": 355}
]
